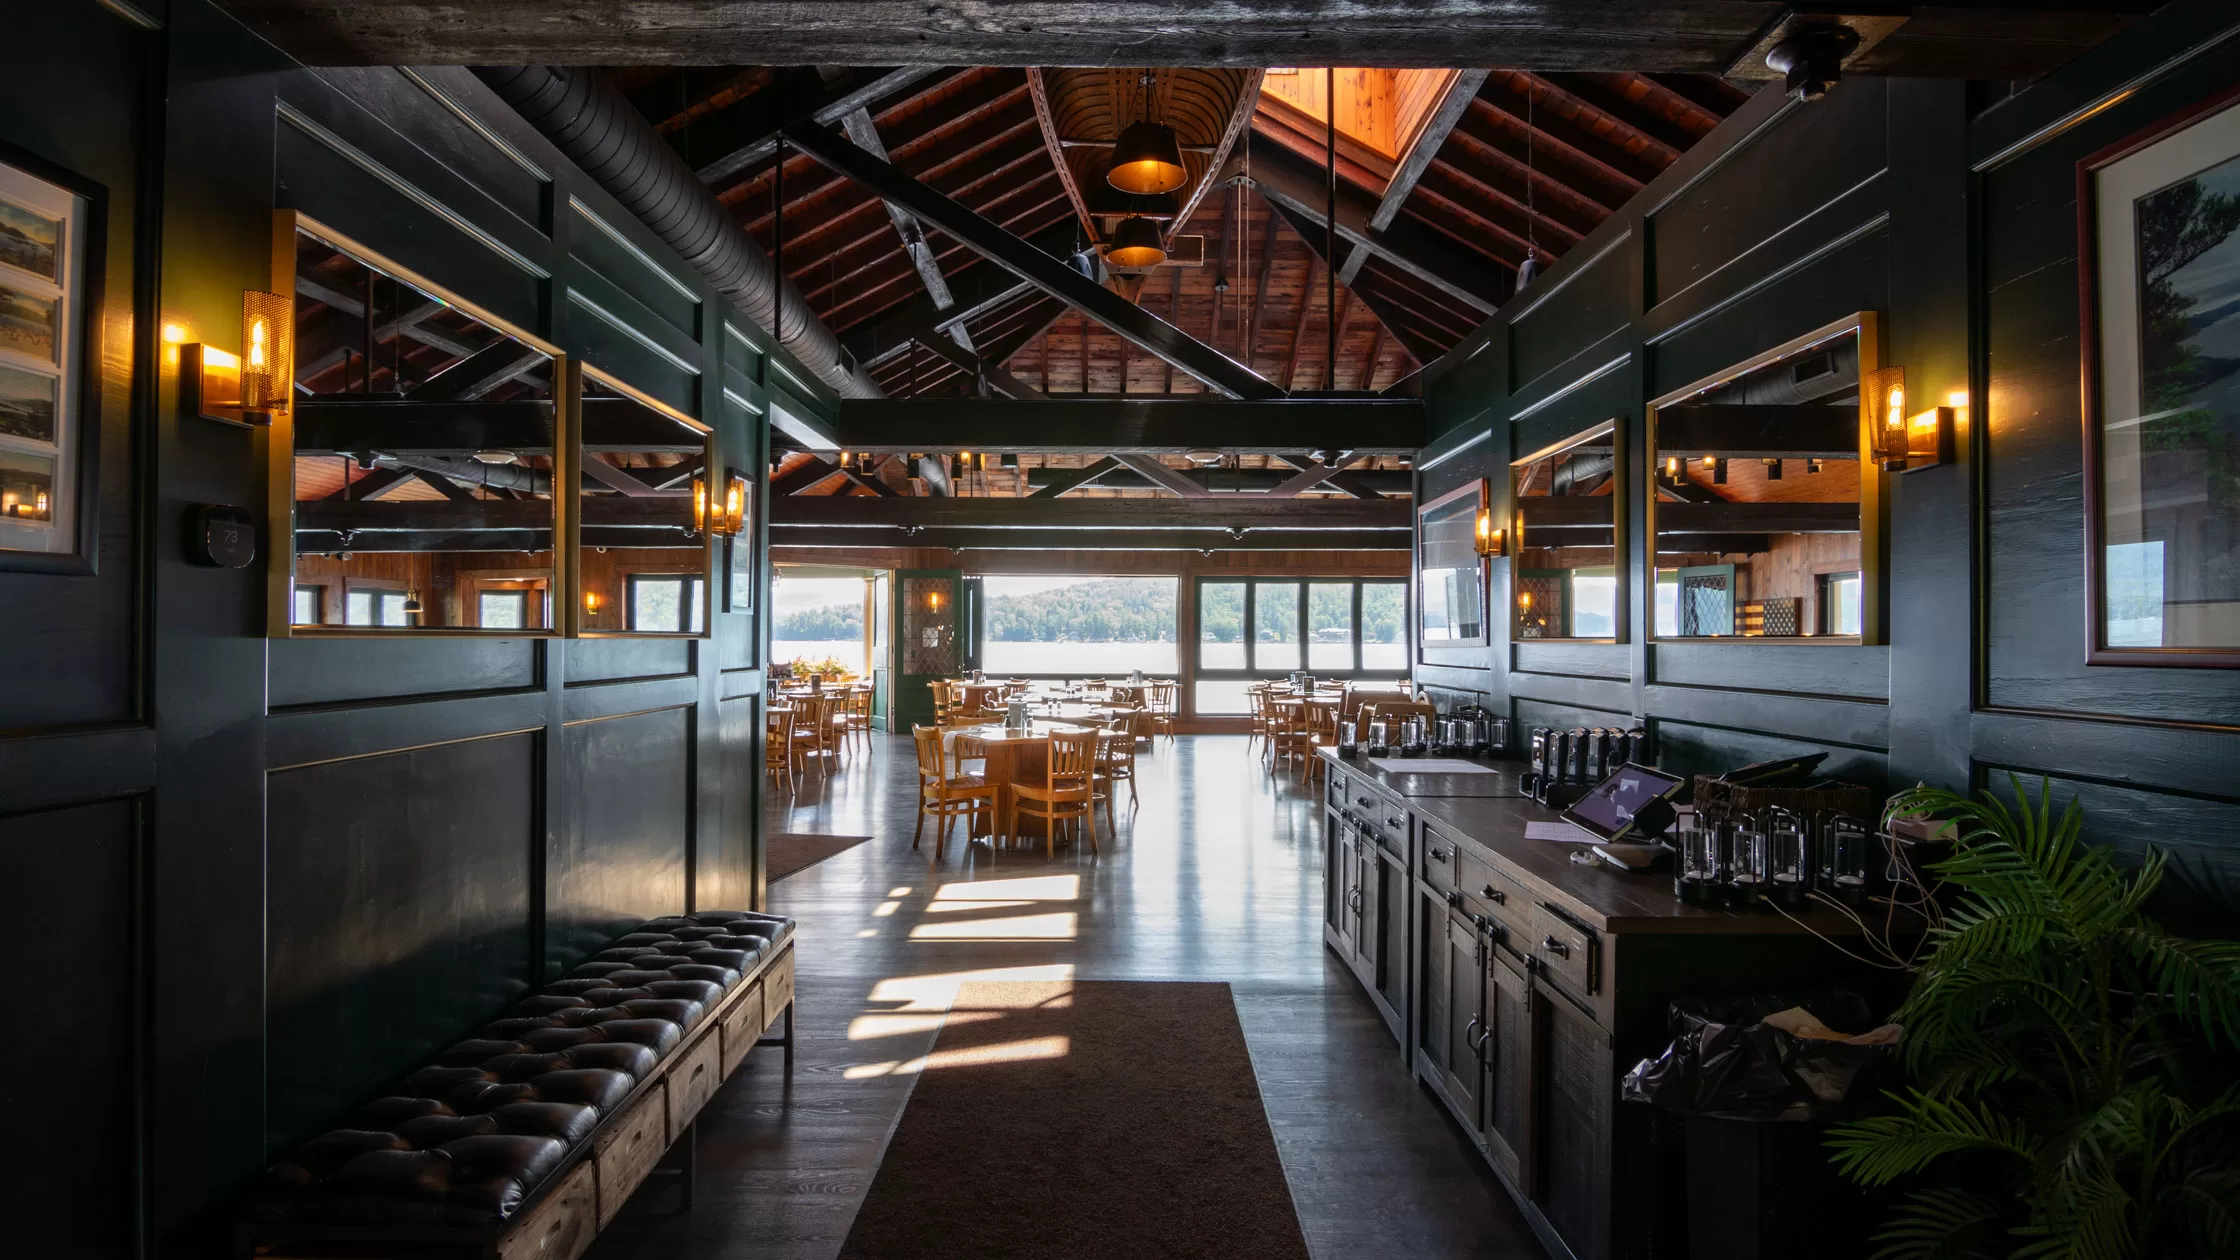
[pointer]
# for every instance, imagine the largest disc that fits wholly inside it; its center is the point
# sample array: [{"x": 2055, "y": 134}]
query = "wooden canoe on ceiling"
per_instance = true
[{"x": 1083, "y": 111}]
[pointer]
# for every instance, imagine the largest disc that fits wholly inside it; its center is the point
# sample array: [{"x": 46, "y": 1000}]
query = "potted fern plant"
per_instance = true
[{"x": 2075, "y": 1086}]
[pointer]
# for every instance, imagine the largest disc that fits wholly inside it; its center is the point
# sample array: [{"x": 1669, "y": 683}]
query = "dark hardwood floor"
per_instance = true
[{"x": 1216, "y": 876}]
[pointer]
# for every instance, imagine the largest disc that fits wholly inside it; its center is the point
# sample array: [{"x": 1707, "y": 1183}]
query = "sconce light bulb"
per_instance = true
[
  {"x": 1897, "y": 412},
  {"x": 1672, "y": 467},
  {"x": 42, "y": 504},
  {"x": 1524, "y": 599},
  {"x": 1710, "y": 461},
  {"x": 256, "y": 344},
  {"x": 174, "y": 334}
]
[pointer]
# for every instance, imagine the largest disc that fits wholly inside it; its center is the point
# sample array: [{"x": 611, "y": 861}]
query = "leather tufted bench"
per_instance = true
[{"x": 523, "y": 1141}]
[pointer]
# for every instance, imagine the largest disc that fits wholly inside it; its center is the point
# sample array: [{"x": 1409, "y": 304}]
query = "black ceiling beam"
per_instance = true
[
  {"x": 1209, "y": 512},
  {"x": 982, "y": 235},
  {"x": 819, "y": 470},
  {"x": 1448, "y": 112},
  {"x": 1299, "y": 187},
  {"x": 1110, "y": 426},
  {"x": 745, "y": 132},
  {"x": 1760, "y": 430},
  {"x": 1151, "y": 469},
  {"x": 371, "y": 485},
  {"x": 477, "y": 374},
  {"x": 342, "y": 427},
  {"x": 1373, "y": 484},
  {"x": 1101, "y": 539},
  {"x": 1061, "y": 480},
  {"x": 1748, "y": 518},
  {"x": 980, "y": 369},
  {"x": 979, "y": 290},
  {"x": 522, "y": 515},
  {"x": 1369, "y": 484}
]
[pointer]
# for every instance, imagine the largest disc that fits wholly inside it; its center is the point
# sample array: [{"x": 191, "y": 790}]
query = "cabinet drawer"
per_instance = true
[
  {"x": 1338, "y": 794},
  {"x": 777, "y": 988},
  {"x": 1440, "y": 855},
  {"x": 629, "y": 1149},
  {"x": 1486, "y": 891},
  {"x": 1566, "y": 952},
  {"x": 693, "y": 1080},
  {"x": 561, "y": 1226},
  {"x": 742, "y": 1026}
]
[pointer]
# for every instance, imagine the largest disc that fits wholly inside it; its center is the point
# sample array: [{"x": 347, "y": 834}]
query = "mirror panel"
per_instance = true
[
  {"x": 1565, "y": 542},
  {"x": 1761, "y": 505},
  {"x": 1450, "y": 574},
  {"x": 643, "y": 541},
  {"x": 415, "y": 474}
]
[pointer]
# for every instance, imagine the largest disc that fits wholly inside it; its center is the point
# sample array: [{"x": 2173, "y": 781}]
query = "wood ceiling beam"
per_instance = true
[
  {"x": 746, "y": 133},
  {"x": 1747, "y": 518},
  {"x": 346, "y": 427},
  {"x": 1293, "y": 186},
  {"x": 369, "y": 486},
  {"x": 477, "y": 374},
  {"x": 1568, "y": 146},
  {"x": 1157, "y": 473},
  {"x": 1314, "y": 474},
  {"x": 979, "y": 290},
  {"x": 1075, "y": 478},
  {"x": 1201, "y": 510},
  {"x": 857, "y": 125},
  {"x": 1068, "y": 424},
  {"x": 974, "y": 230},
  {"x": 1396, "y": 315},
  {"x": 1452, "y": 105},
  {"x": 1055, "y": 145}
]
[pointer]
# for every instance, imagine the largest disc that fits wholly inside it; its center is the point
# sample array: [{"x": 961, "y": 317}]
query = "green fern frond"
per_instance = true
[
  {"x": 1879, "y": 1149},
  {"x": 1944, "y": 1223},
  {"x": 2199, "y": 978}
]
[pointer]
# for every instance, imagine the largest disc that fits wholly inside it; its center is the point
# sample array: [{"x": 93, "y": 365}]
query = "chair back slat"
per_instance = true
[{"x": 1073, "y": 754}]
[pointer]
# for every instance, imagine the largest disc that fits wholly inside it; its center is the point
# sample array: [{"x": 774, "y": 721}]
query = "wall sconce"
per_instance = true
[
  {"x": 933, "y": 601},
  {"x": 1903, "y": 443},
  {"x": 1491, "y": 542},
  {"x": 734, "y": 520},
  {"x": 700, "y": 505},
  {"x": 252, "y": 388},
  {"x": 593, "y": 602}
]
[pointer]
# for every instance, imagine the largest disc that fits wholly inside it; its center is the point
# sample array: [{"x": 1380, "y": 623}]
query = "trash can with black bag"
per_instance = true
[{"x": 1756, "y": 1082}]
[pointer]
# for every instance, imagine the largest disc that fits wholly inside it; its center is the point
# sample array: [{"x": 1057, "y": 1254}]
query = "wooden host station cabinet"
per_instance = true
[{"x": 1521, "y": 986}]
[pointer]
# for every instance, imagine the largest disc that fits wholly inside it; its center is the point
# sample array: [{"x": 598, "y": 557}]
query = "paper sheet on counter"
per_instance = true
[
  {"x": 1430, "y": 765},
  {"x": 1560, "y": 832}
]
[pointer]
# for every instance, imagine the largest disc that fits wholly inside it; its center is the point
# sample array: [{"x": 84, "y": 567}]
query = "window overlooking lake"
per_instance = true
[
  {"x": 817, "y": 618},
  {"x": 1250, "y": 630},
  {"x": 1039, "y": 626}
]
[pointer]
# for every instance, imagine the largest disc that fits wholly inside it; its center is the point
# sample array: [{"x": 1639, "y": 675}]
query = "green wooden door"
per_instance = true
[{"x": 926, "y": 639}]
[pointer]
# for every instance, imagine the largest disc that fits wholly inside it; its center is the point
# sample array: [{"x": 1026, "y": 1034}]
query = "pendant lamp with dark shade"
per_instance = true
[
  {"x": 1147, "y": 160},
  {"x": 1137, "y": 244}
]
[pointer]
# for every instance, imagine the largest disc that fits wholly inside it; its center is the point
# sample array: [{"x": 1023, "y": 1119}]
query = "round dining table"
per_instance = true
[{"x": 1015, "y": 757}]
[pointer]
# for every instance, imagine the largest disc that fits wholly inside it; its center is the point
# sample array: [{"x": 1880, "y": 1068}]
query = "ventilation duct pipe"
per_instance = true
[{"x": 597, "y": 127}]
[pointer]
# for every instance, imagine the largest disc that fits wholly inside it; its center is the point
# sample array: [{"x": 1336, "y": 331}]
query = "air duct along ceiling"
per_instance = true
[{"x": 592, "y": 122}]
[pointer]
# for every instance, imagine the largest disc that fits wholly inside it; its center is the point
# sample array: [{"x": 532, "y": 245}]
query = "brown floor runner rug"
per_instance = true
[
  {"x": 791, "y": 851},
  {"x": 1083, "y": 1120}
]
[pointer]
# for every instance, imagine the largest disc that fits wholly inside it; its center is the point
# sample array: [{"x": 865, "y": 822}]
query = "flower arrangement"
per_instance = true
[{"x": 828, "y": 668}]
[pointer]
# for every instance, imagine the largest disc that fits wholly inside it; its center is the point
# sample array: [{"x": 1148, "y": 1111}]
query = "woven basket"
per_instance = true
[{"x": 1718, "y": 802}]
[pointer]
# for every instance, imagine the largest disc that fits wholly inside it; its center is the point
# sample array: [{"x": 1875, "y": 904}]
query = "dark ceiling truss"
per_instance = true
[
  {"x": 1198, "y": 511},
  {"x": 1053, "y": 277},
  {"x": 1204, "y": 539},
  {"x": 1107, "y": 426},
  {"x": 1700, "y": 36}
]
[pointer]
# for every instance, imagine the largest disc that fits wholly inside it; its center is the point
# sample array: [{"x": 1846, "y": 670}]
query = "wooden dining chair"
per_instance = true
[
  {"x": 1116, "y": 764},
  {"x": 1289, "y": 735},
  {"x": 777, "y": 744},
  {"x": 943, "y": 795},
  {"x": 812, "y": 722},
  {"x": 1162, "y": 709},
  {"x": 1263, "y": 718},
  {"x": 1067, "y": 792},
  {"x": 1322, "y": 732},
  {"x": 943, "y": 700},
  {"x": 855, "y": 715}
]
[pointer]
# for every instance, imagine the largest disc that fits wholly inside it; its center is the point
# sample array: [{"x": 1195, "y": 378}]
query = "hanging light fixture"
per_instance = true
[
  {"x": 1147, "y": 160},
  {"x": 1137, "y": 244},
  {"x": 412, "y": 602}
]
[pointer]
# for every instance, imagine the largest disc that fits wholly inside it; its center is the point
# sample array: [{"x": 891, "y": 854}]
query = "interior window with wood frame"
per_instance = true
[
  {"x": 1761, "y": 506},
  {"x": 1566, "y": 545}
]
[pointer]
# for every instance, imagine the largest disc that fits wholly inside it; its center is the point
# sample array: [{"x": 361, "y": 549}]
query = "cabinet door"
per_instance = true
[
  {"x": 1466, "y": 1020},
  {"x": 1432, "y": 1010},
  {"x": 1392, "y": 930},
  {"x": 1507, "y": 1052},
  {"x": 1335, "y": 863},
  {"x": 1365, "y": 922},
  {"x": 1345, "y": 882},
  {"x": 1571, "y": 1145}
]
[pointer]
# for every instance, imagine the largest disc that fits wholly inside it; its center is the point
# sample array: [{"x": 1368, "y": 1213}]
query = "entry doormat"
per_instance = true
[
  {"x": 793, "y": 851},
  {"x": 1082, "y": 1120}
]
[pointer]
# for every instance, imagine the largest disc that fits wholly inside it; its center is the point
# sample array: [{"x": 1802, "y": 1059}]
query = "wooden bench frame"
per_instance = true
[{"x": 582, "y": 1197}]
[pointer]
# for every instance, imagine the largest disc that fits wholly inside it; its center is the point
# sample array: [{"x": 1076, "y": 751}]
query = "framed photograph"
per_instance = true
[
  {"x": 2159, "y": 236},
  {"x": 50, "y": 363}
]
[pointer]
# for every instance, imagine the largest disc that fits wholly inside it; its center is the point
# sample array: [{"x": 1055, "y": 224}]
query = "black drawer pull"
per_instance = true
[
  {"x": 1436, "y": 855},
  {"x": 1556, "y": 947},
  {"x": 1362, "y": 801},
  {"x": 1496, "y": 896}
]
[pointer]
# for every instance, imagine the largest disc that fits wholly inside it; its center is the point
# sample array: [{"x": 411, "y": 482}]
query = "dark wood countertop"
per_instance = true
[{"x": 1467, "y": 807}]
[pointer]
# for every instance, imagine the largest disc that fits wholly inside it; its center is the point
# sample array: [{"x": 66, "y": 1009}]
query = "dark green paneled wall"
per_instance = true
[{"x": 1959, "y": 227}]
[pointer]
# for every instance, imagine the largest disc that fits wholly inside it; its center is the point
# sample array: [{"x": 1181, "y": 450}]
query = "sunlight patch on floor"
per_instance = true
[
  {"x": 1022, "y": 888},
  {"x": 1021, "y": 927}
]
